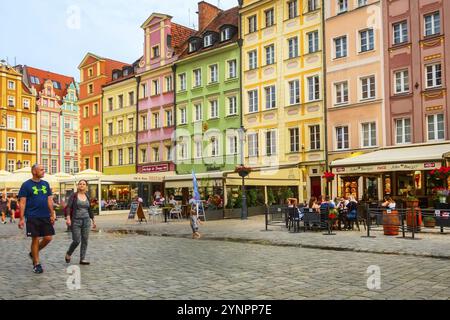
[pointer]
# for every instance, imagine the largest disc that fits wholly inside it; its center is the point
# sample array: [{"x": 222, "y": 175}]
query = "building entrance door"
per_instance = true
[{"x": 316, "y": 187}]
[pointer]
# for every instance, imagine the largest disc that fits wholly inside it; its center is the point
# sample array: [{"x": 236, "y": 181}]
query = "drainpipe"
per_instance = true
[
  {"x": 325, "y": 112},
  {"x": 175, "y": 153},
  {"x": 136, "y": 156}
]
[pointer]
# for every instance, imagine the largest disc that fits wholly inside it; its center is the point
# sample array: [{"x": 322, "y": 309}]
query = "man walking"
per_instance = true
[{"x": 36, "y": 205}]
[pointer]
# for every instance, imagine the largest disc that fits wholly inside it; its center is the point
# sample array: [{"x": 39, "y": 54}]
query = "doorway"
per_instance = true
[{"x": 316, "y": 187}]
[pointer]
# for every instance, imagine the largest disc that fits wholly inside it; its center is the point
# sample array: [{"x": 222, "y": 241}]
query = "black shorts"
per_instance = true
[{"x": 39, "y": 227}]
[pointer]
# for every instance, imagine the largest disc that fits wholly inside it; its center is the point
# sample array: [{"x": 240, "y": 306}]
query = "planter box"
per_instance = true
[
  {"x": 214, "y": 215},
  {"x": 232, "y": 213},
  {"x": 256, "y": 211}
]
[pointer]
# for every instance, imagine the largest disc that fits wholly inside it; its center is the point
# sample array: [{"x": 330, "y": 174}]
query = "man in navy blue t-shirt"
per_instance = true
[{"x": 36, "y": 206}]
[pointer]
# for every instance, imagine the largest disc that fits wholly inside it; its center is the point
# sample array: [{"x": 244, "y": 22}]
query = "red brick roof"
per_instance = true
[
  {"x": 179, "y": 35},
  {"x": 43, "y": 76}
]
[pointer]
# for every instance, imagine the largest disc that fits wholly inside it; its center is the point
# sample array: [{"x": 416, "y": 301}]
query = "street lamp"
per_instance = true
[
  {"x": 243, "y": 174},
  {"x": 19, "y": 164}
]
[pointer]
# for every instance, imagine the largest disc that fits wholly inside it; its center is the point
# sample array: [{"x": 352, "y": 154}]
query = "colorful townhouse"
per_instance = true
[
  {"x": 119, "y": 122},
  {"x": 164, "y": 41},
  {"x": 51, "y": 89},
  {"x": 355, "y": 90},
  {"x": 95, "y": 72},
  {"x": 208, "y": 113},
  {"x": 70, "y": 127},
  {"x": 282, "y": 96},
  {"x": 18, "y": 135}
]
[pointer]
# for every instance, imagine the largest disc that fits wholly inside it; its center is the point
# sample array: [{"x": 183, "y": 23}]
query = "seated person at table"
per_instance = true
[
  {"x": 389, "y": 203},
  {"x": 327, "y": 204},
  {"x": 172, "y": 201}
]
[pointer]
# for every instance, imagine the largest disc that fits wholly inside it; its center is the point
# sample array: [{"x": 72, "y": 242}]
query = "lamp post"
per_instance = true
[
  {"x": 19, "y": 164},
  {"x": 243, "y": 174}
]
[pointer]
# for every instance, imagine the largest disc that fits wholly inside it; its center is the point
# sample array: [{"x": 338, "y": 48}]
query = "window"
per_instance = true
[
  {"x": 183, "y": 118},
  {"x": 67, "y": 166},
  {"x": 314, "y": 137},
  {"x": 26, "y": 123},
  {"x": 197, "y": 78},
  {"x": 156, "y": 88},
  {"x": 91, "y": 72},
  {"x": 312, "y": 5},
  {"x": 341, "y": 92},
  {"x": 86, "y": 112},
  {"x": 294, "y": 135},
  {"x": 130, "y": 98},
  {"x": 434, "y": 75},
  {"x": 169, "y": 118},
  {"x": 270, "y": 18},
  {"x": 214, "y": 73},
  {"x": 369, "y": 134},
  {"x": 26, "y": 145},
  {"x": 432, "y": 24},
  {"x": 56, "y": 85},
  {"x": 155, "y": 52},
  {"x": 400, "y": 32},
  {"x": 340, "y": 47},
  {"x": 182, "y": 78},
  {"x": 232, "y": 105},
  {"x": 120, "y": 126},
  {"x": 120, "y": 151},
  {"x": 54, "y": 121},
  {"x": 130, "y": 124},
  {"x": 214, "y": 147},
  {"x": 183, "y": 150},
  {"x": 35, "y": 80},
  {"x": 214, "y": 104},
  {"x": 313, "y": 41},
  {"x": 270, "y": 97},
  {"x": 54, "y": 142},
  {"x": 96, "y": 136},
  {"x": 253, "y": 144},
  {"x": 270, "y": 54},
  {"x": 91, "y": 89},
  {"x": 169, "y": 84},
  {"x": 156, "y": 122},
  {"x": 362, "y": 3},
  {"x": 193, "y": 46},
  {"x": 75, "y": 143},
  {"x": 75, "y": 167},
  {"x": 401, "y": 81},
  {"x": 313, "y": 88},
  {"x": 252, "y": 24},
  {"x": 198, "y": 112},
  {"x": 144, "y": 90},
  {"x": 292, "y": 9},
  {"x": 207, "y": 41},
  {"x": 11, "y": 101},
  {"x": 367, "y": 40},
  {"x": 342, "y": 6},
  {"x": 86, "y": 137},
  {"x": 436, "y": 127},
  {"x": 198, "y": 145},
  {"x": 144, "y": 122},
  {"x": 143, "y": 155},
  {"x": 26, "y": 104},
  {"x": 54, "y": 168},
  {"x": 130, "y": 155},
  {"x": 225, "y": 34},
  {"x": 110, "y": 104},
  {"x": 293, "y": 47},
  {"x": 11, "y": 122},
  {"x": 66, "y": 124},
  {"x": 368, "y": 87},
  {"x": 342, "y": 138},
  {"x": 110, "y": 158},
  {"x": 11, "y": 144},
  {"x": 232, "y": 69},
  {"x": 233, "y": 145},
  {"x": 294, "y": 92},
  {"x": 11, "y": 165},
  {"x": 86, "y": 163},
  {"x": 67, "y": 144},
  {"x": 11, "y": 85},
  {"x": 110, "y": 129},
  {"x": 403, "y": 130},
  {"x": 44, "y": 142},
  {"x": 271, "y": 143},
  {"x": 252, "y": 60},
  {"x": 169, "y": 153},
  {"x": 253, "y": 101}
]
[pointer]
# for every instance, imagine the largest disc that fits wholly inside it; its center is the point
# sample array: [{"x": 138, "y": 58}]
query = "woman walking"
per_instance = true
[
  {"x": 3, "y": 207},
  {"x": 12, "y": 208},
  {"x": 79, "y": 218}
]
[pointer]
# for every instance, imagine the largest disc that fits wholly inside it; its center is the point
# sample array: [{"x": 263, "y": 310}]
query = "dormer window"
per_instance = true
[
  {"x": 208, "y": 40},
  {"x": 56, "y": 85},
  {"x": 193, "y": 46},
  {"x": 155, "y": 52},
  {"x": 225, "y": 34},
  {"x": 125, "y": 72}
]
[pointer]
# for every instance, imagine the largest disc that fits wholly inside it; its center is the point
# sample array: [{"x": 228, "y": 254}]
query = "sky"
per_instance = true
[{"x": 55, "y": 35}]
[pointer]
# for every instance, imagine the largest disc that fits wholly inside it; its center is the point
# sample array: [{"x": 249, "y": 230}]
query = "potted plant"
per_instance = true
[
  {"x": 442, "y": 194},
  {"x": 243, "y": 171},
  {"x": 412, "y": 201},
  {"x": 328, "y": 175},
  {"x": 429, "y": 222}
]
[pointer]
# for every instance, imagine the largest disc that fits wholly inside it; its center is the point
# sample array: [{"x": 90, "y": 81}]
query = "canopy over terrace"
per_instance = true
[{"x": 13, "y": 181}]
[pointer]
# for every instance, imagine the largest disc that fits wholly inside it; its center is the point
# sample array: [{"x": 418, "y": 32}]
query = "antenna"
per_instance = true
[
  {"x": 189, "y": 14},
  {"x": 218, "y": 4}
]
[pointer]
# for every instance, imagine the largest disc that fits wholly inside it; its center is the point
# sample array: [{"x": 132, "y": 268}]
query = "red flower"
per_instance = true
[{"x": 328, "y": 175}]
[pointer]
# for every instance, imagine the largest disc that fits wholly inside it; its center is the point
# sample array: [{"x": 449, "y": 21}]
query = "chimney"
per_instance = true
[{"x": 206, "y": 13}]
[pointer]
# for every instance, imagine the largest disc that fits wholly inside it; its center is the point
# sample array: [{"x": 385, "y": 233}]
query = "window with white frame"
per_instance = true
[
  {"x": 96, "y": 135},
  {"x": 294, "y": 135},
  {"x": 367, "y": 40},
  {"x": 369, "y": 134},
  {"x": 11, "y": 122},
  {"x": 130, "y": 98},
  {"x": 434, "y": 75},
  {"x": 198, "y": 149},
  {"x": 169, "y": 153},
  {"x": 233, "y": 145},
  {"x": 232, "y": 105},
  {"x": 197, "y": 77},
  {"x": 214, "y": 109},
  {"x": 11, "y": 144},
  {"x": 11, "y": 85},
  {"x": 120, "y": 153},
  {"x": 401, "y": 81},
  {"x": 214, "y": 146},
  {"x": 253, "y": 101},
  {"x": 312, "y": 5},
  {"x": 26, "y": 145},
  {"x": 232, "y": 69},
  {"x": 293, "y": 47},
  {"x": 436, "y": 127},
  {"x": 156, "y": 87},
  {"x": 314, "y": 137},
  {"x": 294, "y": 92},
  {"x": 368, "y": 88},
  {"x": 313, "y": 41},
  {"x": 169, "y": 118},
  {"x": 342, "y": 138},
  {"x": 252, "y": 24},
  {"x": 26, "y": 164},
  {"x": 270, "y": 17},
  {"x": 130, "y": 155},
  {"x": 156, "y": 157},
  {"x": 156, "y": 120},
  {"x": 67, "y": 166},
  {"x": 143, "y": 155},
  {"x": 252, "y": 144},
  {"x": 11, "y": 165},
  {"x": 182, "y": 78},
  {"x": 292, "y": 9},
  {"x": 130, "y": 124},
  {"x": 155, "y": 52},
  {"x": 313, "y": 88},
  {"x": 54, "y": 142},
  {"x": 169, "y": 83},
  {"x": 271, "y": 101},
  {"x": 342, "y": 6},
  {"x": 183, "y": 118},
  {"x": 225, "y": 34},
  {"x": 252, "y": 59},
  {"x": 403, "y": 130},
  {"x": 45, "y": 140},
  {"x": 271, "y": 143},
  {"x": 120, "y": 126},
  {"x": 340, "y": 45},
  {"x": 362, "y": 3},
  {"x": 198, "y": 112},
  {"x": 11, "y": 101},
  {"x": 270, "y": 54},
  {"x": 341, "y": 89},
  {"x": 214, "y": 73},
  {"x": 110, "y": 129},
  {"x": 400, "y": 32},
  {"x": 144, "y": 122},
  {"x": 432, "y": 23},
  {"x": 26, "y": 104}
]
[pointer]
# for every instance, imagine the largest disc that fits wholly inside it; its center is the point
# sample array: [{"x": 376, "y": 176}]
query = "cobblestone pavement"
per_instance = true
[{"x": 133, "y": 267}]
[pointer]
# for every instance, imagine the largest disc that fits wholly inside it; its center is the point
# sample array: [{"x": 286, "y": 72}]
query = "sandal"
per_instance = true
[{"x": 68, "y": 259}]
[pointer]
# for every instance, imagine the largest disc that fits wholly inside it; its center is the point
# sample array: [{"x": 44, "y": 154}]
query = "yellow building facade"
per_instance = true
[
  {"x": 17, "y": 121},
  {"x": 282, "y": 88}
]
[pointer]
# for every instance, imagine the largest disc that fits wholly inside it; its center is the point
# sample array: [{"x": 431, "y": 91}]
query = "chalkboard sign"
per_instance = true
[{"x": 133, "y": 210}]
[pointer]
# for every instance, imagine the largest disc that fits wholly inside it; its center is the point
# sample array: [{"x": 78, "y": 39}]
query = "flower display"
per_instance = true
[
  {"x": 441, "y": 191},
  {"x": 441, "y": 173},
  {"x": 243, "y": 171},
  {"x": 328, "y": 175}
]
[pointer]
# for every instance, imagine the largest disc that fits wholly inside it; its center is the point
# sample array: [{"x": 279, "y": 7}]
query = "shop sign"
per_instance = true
[
  {"x": 388, "y": 167},
  {"x": 156, "y": 168}
]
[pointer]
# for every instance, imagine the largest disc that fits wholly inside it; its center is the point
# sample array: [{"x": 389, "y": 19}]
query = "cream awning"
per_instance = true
[
  {"x": 422, "y": 157},
  {"x": 185, "y": 181},
  {"x": 274, "y": 177}
]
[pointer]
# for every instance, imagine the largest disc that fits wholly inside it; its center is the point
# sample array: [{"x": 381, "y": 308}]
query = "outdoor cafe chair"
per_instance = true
[
  {"x": 155, "y": 213},
  {"x": 176, "y": 212}
]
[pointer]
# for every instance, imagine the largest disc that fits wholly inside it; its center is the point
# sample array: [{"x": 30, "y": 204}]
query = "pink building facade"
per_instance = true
[{"x": 156, "y": 116}]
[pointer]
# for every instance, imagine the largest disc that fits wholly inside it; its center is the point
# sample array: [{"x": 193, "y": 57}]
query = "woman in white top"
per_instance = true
[{"x": 389, "y": 203}]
